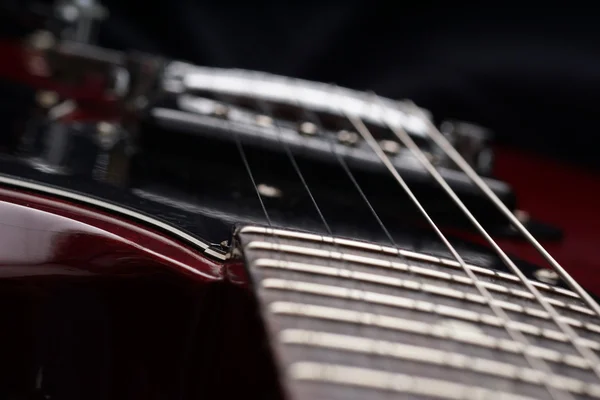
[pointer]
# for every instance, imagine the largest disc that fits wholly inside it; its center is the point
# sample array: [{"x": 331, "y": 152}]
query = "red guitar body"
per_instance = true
[
  {"x": 50, "y": 245},
  {"x": 563, "y": 195},
  {"x": 69, "y": 271}
]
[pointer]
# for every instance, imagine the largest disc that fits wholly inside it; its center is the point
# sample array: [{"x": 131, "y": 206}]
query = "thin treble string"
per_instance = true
[
  {"x": 244, "y": 158},
  {"x": 514, "y": 334},
  {"x": 238, "y": 143},
  {"x": 443, "y": 143},
  {"x": 353, "y": 284},
  {"x": 311, "y": 115},
  {"x": 267, "y": 110},
  {"x": 405, "y": 138}
]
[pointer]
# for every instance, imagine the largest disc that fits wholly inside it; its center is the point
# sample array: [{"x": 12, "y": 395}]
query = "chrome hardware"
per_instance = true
[
  {"x": 308, "y": 128},
  {"x": 264, "y": 120},
  {"x": 389, "y": 146},
  {"x": 472, "y": 142},
  {"x": 220, "y": 110},
  {"x": 348, "y": 138}
]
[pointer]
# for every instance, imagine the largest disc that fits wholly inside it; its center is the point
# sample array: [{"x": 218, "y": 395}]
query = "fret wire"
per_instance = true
[
  {"x": 432, "y": 356},
  {"x": 320, "y": 270},
  {"x": 394, "y": 382},
  {"x": 419, "y": 327},
  {"x": 451, "y": 278},
  {"x": 443, "y": 143},
  {"x": 517, "y": 336},
  {"x": 409, "y": 255},
  {"x": 485, "y": 341},
  {"x": 407, "y": 141}
]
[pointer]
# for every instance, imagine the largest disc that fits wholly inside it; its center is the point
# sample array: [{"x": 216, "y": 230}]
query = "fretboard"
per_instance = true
[{"x": 356, "y": 320}]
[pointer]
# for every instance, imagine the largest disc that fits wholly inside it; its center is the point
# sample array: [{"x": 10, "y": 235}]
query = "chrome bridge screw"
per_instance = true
[
  {"x": 348, "y": 138},
  {"x": 308, "y": 129}
]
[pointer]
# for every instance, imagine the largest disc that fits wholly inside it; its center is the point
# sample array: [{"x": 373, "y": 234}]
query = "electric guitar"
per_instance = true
[{"x": 177, "y": 231}]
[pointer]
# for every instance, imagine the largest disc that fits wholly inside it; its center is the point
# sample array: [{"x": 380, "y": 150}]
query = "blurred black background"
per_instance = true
[{"x": 529, "y": 72}]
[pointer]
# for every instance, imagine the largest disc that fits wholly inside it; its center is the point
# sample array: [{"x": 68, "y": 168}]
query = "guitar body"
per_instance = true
[
  {"x": 571, "y": 196},
  {"x": 175, "y": 231},
  {"x": 135, "y": 307}
]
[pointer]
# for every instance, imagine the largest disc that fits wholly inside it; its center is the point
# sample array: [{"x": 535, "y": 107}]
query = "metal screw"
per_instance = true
[
  {"x": 390, "y": 146},
  {"x": 264, "y": 120},
  {"x": 308, "y": 128},
  {"x": 547, "y": 276},
  {"x": 269, "y": 191},
  {"x": 107, "y": 134},
  {"x": 46, "y": 98},
  {"x": 220, "y": 110},
  {"x": 348, "y": 138}
]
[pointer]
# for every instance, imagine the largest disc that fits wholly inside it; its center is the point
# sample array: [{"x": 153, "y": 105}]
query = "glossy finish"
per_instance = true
[
  {"x": 42, "y": 236},
  {"x": 100, "y": 308}
]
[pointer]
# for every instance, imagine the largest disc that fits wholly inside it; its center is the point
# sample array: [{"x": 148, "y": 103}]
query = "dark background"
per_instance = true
[{"x": 529, "y": 72}]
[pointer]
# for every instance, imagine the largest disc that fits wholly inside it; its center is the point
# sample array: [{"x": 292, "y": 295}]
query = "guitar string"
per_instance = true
[
  {"x": 352, "y": 284},
  {"x": 304, "y": 182},
  {"x": 532, "y": 362},
  {"x": 515, "y": 335},
  {"x": 355, "y": 284},
  {"x": 299, "y": 173},
  {"x": 407, "y": 141},
  {"x": 266, "y": 109},
  {"x": 314, "y": 118},
  {"x": 240, "y": 148},
  {"x": 245, "y": 161},
  {"x": 443, "y": 143}
]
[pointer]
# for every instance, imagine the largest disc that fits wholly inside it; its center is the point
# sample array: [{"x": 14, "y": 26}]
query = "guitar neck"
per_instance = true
[{"x": 353, "y": 320}]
